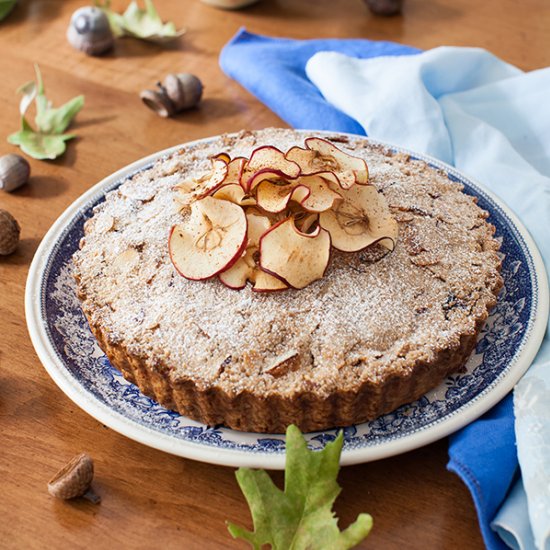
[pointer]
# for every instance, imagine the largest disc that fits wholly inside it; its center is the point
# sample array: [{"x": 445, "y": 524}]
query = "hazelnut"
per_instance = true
[
  {"x": 14, "y": 172},
  {"x": 9, "y": 233}
]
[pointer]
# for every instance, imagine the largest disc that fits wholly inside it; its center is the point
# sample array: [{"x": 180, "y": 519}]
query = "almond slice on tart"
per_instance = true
[
  {"x": 210, "y": 240},
  {"x": 295, "y": 258},
  {"x": 359, "y": 220},
  {"x": 245, "y": 267},
  {"x": 347, "y": 168}
]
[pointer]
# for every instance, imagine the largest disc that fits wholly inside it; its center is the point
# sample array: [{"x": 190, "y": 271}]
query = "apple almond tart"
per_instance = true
[{"x": 268, "y": 278}]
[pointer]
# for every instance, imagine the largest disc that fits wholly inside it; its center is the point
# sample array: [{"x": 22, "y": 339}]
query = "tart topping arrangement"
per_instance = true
[{"x": 273, "y": 218}]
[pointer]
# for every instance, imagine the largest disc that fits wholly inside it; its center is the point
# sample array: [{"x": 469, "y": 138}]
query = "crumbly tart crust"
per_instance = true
[{"x": 378, "y": 331}]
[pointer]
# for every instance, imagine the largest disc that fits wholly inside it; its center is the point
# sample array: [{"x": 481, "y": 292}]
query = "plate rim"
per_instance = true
[{"x": 112, "y": 418}]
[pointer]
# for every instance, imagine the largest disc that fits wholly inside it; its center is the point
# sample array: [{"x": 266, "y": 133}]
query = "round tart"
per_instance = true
[{"x": 377, "y": 330}]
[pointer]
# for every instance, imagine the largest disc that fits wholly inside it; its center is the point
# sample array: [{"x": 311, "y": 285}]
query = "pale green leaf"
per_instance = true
[
  {"x": 301, "y": 516},
  {"x": 56, "y": 120},
  {"x": 49, "y": 141},
  {"x": 29, "y": 93},
  {"x": 40, "y": 146},
  {"x": 5, "y": 7},
  {"x": 137, "y": 22}
]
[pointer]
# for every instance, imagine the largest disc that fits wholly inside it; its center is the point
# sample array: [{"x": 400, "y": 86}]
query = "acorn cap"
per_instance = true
[{"x": 74, "y": 479}]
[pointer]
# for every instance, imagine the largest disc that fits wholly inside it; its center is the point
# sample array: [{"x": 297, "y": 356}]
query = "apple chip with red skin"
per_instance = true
[
  {"x": 320, "y": 197},
  {"x": 267, "y": 163},
  {"x": 234, "y": 193},
  {"x": 243, "y": 269},
  {"x": 235, "y": 170},
  {"x": 272, "y": 219},
  {"x": 274, "y": 197},
  {"x": 347, "y": 168},
  {"x": 264, "y": 282},
  {"x": 325, "y": 159},
  {"x": 206, "y": 184},
  {"x": 359, "y": 220},
  {"x": 210, "y": 240},
  {"x": 246, "y": 267},
  {"x": 222, "y": 156},
  {"x": 294, "y": 257}
]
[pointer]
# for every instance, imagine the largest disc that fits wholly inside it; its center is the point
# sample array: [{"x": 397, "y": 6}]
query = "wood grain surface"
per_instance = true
[{"x": 152, "y": 499}]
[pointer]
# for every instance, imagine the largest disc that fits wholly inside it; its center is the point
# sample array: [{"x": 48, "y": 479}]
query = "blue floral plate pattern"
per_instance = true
[{"x": 69, "y": 352}]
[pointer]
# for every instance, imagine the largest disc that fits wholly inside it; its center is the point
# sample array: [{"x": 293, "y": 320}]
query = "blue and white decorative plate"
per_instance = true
[{"x": 68, "y": 350}]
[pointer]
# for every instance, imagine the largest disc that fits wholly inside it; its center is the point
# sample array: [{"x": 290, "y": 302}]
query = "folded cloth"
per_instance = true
[
  {"x": 449, "y": 104},
  {"x": 273, "y": 69},
  {"x": 512, "y": 521},
  {"x": 492, "y": 121}
]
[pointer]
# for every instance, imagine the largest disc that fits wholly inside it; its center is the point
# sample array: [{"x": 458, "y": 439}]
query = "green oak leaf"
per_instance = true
[
  {"x": 5, "y": 8},
  {"x": 37, "y": 145},
  {"x": 137, "y": 22},
  {"x": 49, "y": 141},
  {"x": 301, "y": 516}
]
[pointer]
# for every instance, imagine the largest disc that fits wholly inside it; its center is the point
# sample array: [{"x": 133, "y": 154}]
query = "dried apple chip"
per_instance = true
[
  {"x": 267, "y": 163},
  {"x": 274, "y": 197},
  {"x": 264, "y": 282},
  {"x": 348, "y": 169},
  {"x": 359, "y": 220},
  {"x": 295, "y": 258},
  {"x": 210, "y": 240},
  {"x": 245, "y": 267},
  {"x": 234, "y": 193},
  {"x": 206, "y": 184},
  {"x": 321, "y": 197}
]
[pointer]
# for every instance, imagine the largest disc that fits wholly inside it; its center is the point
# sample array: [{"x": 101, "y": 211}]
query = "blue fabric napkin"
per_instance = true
[
  {"x": 483, "y": 454},
  {"x": 274, "y": 70}
]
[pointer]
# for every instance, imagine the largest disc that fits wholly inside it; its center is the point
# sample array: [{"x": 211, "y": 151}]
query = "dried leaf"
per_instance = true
[{"x": 301, "y": 516}]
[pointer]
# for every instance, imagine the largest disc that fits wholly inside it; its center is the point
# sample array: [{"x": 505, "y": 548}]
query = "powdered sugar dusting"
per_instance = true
[{"x": 371, "y": 315}]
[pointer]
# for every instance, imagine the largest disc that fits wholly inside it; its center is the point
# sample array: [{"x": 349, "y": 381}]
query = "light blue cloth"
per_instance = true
[
  {"x": 513, "y": 159},
  {"x": 512, "y": 521},
  {"x": 492, "y": 121}
]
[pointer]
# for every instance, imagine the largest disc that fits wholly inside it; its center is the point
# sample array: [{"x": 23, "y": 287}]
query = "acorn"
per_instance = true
[
  {"x": 230, "y": 4},
  {"x": 176, "y": 93},
  {"x": 89, "y": 31},
  {"x": 74, "y": 480},
  {"x": 385, "y": 7},
  {"x": 14, "y": 172},
  {"x": 9, "y": 233}
]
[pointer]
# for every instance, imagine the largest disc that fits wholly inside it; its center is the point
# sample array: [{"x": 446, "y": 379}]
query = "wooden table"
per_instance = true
[{"x": 151, "y": 498}]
